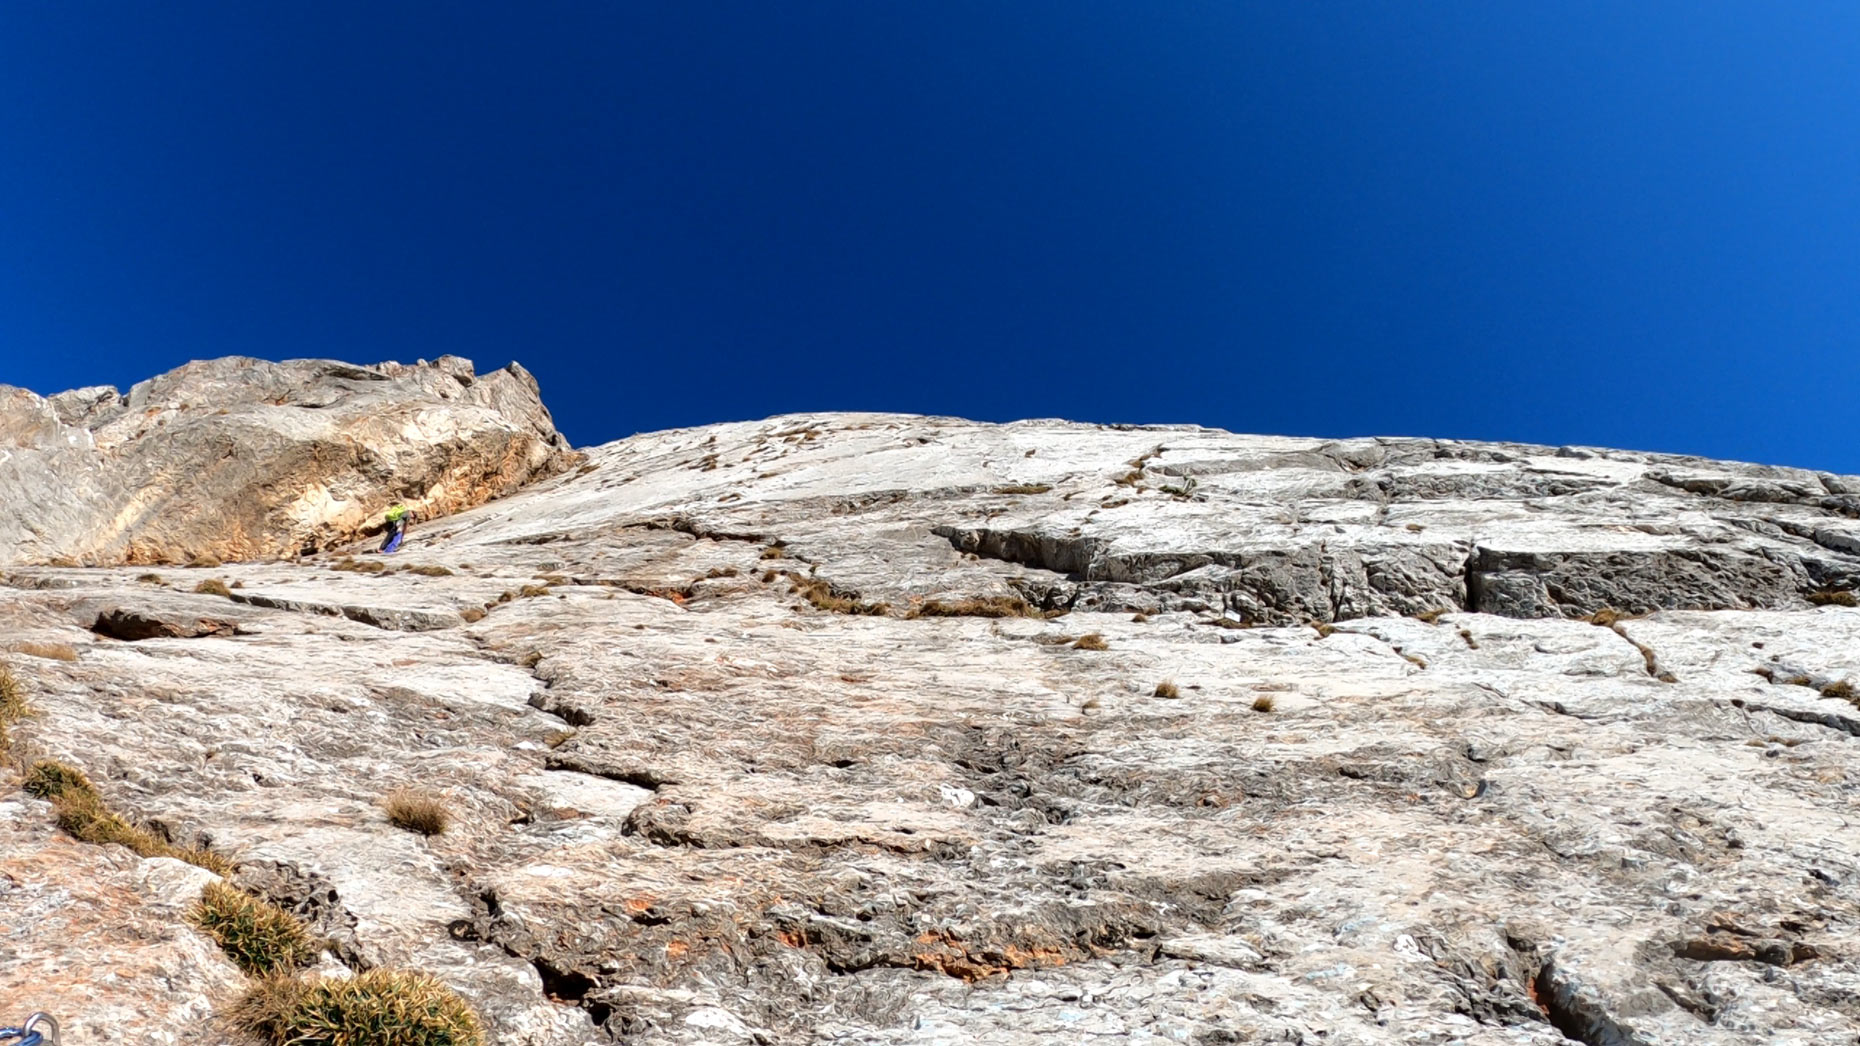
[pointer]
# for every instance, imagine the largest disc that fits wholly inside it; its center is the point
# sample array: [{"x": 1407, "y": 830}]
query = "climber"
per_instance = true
[
  {"x": 39, "y": 1028},
  {"x": 397, "y": 520}
]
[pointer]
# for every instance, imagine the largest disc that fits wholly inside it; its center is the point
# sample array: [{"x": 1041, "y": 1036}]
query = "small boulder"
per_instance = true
[{"x": 132, "y": 624}]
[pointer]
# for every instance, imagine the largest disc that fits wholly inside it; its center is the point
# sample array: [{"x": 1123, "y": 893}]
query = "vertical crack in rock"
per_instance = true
[{"x": 1575, "y": 1010}]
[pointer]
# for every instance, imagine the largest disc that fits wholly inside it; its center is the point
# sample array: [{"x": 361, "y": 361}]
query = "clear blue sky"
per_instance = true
[{"x": 1632, "y": 224}]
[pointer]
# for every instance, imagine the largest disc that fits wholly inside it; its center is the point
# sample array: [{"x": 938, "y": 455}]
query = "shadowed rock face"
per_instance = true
[
  {"x": 784, "y": 732},
  {"x": 239, "y": 458}
]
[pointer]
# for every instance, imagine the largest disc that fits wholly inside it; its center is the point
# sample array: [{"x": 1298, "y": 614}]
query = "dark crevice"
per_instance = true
[
  {"x": 562, "y": 985},
  {"x": 1576, "y": 1013},
  {"x": 1831, "y": 720},
  {"x": 638, "y": 776},
  {"x": 572, "y": 986}
]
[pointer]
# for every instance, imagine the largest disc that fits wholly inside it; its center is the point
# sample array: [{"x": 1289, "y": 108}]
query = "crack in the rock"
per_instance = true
[{"x": 1576, "y": 1011}]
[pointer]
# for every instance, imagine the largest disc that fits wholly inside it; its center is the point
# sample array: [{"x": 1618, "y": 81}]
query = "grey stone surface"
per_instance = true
[{"x": 708, "y": 791}]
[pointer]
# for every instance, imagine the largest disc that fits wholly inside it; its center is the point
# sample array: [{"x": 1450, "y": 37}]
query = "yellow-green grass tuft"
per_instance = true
[
  {"x": 82, "y": 812},
  {"x": 379, "y": 1007},
  {"x": 13, "y": 707},
  {"x": 258, "y": 936}
]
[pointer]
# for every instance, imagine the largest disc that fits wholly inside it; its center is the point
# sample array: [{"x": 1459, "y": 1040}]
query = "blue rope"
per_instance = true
[{"x": 28, "y": 1033}]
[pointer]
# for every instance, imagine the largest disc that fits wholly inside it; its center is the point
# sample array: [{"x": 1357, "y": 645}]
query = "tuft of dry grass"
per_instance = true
[
  {"x": 416, "y": 811},
  {"x": 379, "y": 1007},
  {"x": 213, "y": 587},
  {"x": 1415, "y": 528},
  {"x": 532, "y": 591},
  {"x": 81, "y": 812},
  {"x": 819, "y": 593},
  {"x": 1833, "y": 597},
  {"x": 13, "y": 707},
  {"x": 1324, "y": 629},
  {"x": 1843, "y": 690},
  {"x": 472, "y": 614},
  {"x": 430, "y": 570},
  {"x": 149, "y": 579},
  {"x": 207, "y": 562},
  {"x": 1167, "y": 688},
  {"x": 1024, "y": 488},
  {"x": 559, "y": 738},
  {"x": 1429, "y": 616},
  {"x": 258, "y": 936},
  {"x": 1090, "y": 641},
  {"x": 980, "y": 606},
  {"x": 50, "y": 651},
  {"x": 1139, "y": 618},
  {"x": 1607, "y": 617},
  {"x": 1264, "y": 703},
  {"x": 773, "y": 552},
  {"x": 1471, "y": 643},
  {"x": 359, "y": 566},
  {"x": 716, "y": 572}
]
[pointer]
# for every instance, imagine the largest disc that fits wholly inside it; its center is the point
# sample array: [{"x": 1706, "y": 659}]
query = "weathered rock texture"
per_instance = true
[
  {"x": 244, "y": 459},
  {"x": 736, "y": 757}
]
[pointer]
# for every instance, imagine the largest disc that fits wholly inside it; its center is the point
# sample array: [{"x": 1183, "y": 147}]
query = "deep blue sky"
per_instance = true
[{"x": 1632, "y": 224}]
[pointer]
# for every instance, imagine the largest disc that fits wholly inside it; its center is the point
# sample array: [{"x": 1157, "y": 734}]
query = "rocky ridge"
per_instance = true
[
  {"x": 239, "y": 458},
  {"x": 875, "y": 729}
]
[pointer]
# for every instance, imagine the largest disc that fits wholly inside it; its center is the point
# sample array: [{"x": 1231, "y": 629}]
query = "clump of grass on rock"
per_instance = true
[
  {"x": 979, "y": 606},
  {"x": 82, "y": 812},
  {"x": 1090, "y": 641},
  {"x": 416, "y": 811},
  {"x": 820, "y": 595},
  {"x": 258, "y": 936},
  {"x": 13, "y": 706},
  {"x": 213, "y": 587},
  {"x": 380, "y": 1007},
  {"x": 1167, "y": 688},
  {"x": 1833, "y": 597},
  {"x": 52, "y": 651}
]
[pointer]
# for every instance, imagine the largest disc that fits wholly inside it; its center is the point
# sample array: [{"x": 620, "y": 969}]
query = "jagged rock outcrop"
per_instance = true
[
  {"x": 240, "y": 458},
  {"x": 882, "y": 729}
]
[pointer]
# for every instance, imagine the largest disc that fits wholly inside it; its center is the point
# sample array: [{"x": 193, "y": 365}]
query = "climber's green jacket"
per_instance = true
[{"x": 396, "y": 513}]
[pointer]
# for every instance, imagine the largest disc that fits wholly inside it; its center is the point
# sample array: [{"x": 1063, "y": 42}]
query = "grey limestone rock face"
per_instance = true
[
  {"x": 854, "y": 729},
  {"x": 240, "y": 458}
]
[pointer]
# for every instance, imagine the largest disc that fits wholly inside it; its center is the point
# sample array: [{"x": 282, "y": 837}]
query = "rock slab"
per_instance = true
[{"x": 240, "y": 458}]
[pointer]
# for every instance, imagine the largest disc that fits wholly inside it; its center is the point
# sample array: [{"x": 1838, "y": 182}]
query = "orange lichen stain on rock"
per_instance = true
[
  {"x": 792, "y": 940},
  {"x": 950, "y": 956},
  {"x": 1020, "y": 957},
  {"x": 676, "y": 949},
  {"x": 636, "y": 905}
]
